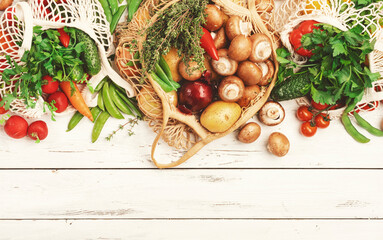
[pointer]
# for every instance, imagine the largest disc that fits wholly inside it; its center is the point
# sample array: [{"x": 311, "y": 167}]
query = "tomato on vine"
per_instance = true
[
  {"x": 304, "y": 114},
  {"x": 308, "y": 129},
  {"x": 322, "y": 120}
]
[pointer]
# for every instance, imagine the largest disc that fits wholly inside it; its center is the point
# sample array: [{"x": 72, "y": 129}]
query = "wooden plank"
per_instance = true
[
  {"x": 260, "y": 194},
  {"x": 330, "y": 148},
  {"x": 191, "y": 230}
]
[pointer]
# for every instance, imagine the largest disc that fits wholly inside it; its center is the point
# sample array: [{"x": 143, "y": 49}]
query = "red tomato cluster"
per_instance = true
[
  {"x": 50, "y": 86},
  {"x": 312, "y": 121},
  {"x": 17, "y": 127},
  {"x": 296, "y": 37}
]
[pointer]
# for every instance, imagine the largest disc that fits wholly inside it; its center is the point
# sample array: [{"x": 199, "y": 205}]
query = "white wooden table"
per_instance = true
[{"x": 327, "y": 187}]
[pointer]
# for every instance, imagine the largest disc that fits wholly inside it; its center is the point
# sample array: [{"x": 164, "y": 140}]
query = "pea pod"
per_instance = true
[
  {"x": 116, "y": 18},
  {"x": 109, "y": 104},
  {"x": 133, "y": 6},
  {"x": 100, "y": 101},
  {"x": 77, "y": 117},
  {"x": 105, "y": 6},
  {"x": 366, "y": 125},
  {"x": 99, "y": 125},
  {"x": 350, "y": 128},
  {"x": 165, "y": 66},
  {"x": 166, "y": 87},
  {"x": 95, "y": 112},
  {"x": 100, "y": 84},
  {"x": 118, "y": 101},
  {"x": 161, "y": 73},
  {"x": 113, "y": 4},
  {"x": 130, "y": 103}
]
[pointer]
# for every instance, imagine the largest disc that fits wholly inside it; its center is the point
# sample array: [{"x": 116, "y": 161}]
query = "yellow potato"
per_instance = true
[
  {"x": 220, "y": 116},
  {"x": 173, "y": 61}
]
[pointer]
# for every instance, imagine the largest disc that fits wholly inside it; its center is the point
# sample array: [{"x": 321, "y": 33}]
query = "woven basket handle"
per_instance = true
[{"x": 28, "y": 30}]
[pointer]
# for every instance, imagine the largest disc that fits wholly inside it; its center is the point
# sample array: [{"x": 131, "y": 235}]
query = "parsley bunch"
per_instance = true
[
  {"x": 46, "y": 57},
  {"x": 337, "y": 68}
]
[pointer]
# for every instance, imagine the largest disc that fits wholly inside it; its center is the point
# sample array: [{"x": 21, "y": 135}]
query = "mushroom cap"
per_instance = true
[
  {"x": 271, "y": 114},
  {"x": 261, "y": 48},
  {"x": 250, "y": 93},
  {"x": 278, "y": 144},
  {"x": 214, "y": 18},
  {"x": 225, "y": 66},
  {"x": 194, "y": 74},
  {"x": 235, "y": 26},
  {"x": 250, "y": 73},
  {"x": 249, "y": 133},
  {"x": 267, "y": 68},
  {"x": 231, "y": 89},
  {"x": 240, "y": 48},
  {"x": 220, "y": 39}
]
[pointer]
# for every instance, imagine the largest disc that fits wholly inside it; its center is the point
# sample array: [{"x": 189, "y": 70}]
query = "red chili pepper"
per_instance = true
[
  {"x": 64, "y": 37},
  {"x": 207, "y": 43},
  {"x": 296, "y": 37}
]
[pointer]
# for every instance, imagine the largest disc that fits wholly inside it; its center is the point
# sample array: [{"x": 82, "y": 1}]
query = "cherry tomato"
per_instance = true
[
  {"x": 322, "y": 121},
  {"x": 371, "y": 106},
  {"x": 2, "y": 109},
  {"x": 16, "y": 127},
  {"x": 295, "y": 38},
  {"x": 304, "y": 114},
  {"x": 308, "y": 129},
  {"x": 319, "y": 106},
  {"x": 38, "y": 130},
  {"x": 308, "y": 26},
  {"x": 49, "y": 85},
  {"x": 61, "y": 101}
]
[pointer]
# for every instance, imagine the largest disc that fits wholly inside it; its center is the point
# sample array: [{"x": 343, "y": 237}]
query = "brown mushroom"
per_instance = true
[
  {"x": 261, "y": 48},
  {"x": 225, "y": 66},
  {"x": 220, "y": 39},
  {"x": 214, "y": 18},
  {"x": 4, "y": 4},
  {"x": 271, "y": 114},
  {"x": 278, "y": 144},
  {"x": 250, "y": 93},
  {"x": 240, "y": 48},
  {"x": 267, "y": 69},
  {"x": 264, "y": 5},
  {"x": 250, "y": 73},
  {"x": 235, "y": 26},
  {"x": 190, "y": 73},
  {"x": 249, "y": 133},
  {"x": 231, "y": 89}
]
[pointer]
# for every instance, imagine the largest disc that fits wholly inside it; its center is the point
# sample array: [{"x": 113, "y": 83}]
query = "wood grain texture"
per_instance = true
[
  {"x": 259, "y": 194},
  {"x": 191, "y": 230},
  {"x": 329, "y": 148}
]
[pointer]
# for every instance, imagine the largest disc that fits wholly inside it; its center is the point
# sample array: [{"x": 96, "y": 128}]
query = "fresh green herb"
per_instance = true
[
  {"x": 178, "y": 26},
  {"x": 131, "y": 123}
]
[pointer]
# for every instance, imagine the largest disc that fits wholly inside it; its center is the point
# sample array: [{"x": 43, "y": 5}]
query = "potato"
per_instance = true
[
  {"x": 173, "y": 61},
  {"x": 220, "y": 116}
]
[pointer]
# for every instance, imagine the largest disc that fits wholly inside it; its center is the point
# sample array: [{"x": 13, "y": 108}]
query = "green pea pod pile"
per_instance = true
[
  {"x": 163, "y": 76},
  {"x": 113, "y": 10},
  {"x": 112, "y": 101}
]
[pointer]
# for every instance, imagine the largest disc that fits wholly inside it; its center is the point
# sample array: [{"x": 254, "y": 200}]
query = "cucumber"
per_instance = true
[
  {"x": 90, "y": 56},
  {"x": 76, "y": 73},
  {"x": 292, "y": 88}
]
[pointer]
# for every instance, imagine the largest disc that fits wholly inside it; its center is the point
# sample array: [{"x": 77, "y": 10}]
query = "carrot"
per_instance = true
[{"x": 76, "y": 99}]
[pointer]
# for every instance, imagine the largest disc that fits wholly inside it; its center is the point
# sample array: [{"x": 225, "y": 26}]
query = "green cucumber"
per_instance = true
[
  {"x": 90, "y": 56},
  {"x": 76, "y": 73},
  {"x": 295, "y": 86}
]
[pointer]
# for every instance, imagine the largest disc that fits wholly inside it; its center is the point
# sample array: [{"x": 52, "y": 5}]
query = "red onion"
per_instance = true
[{"x": 195, "y": 95}]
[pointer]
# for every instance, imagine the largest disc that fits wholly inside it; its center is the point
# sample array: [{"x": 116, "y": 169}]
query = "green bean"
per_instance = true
[
  {"x": 130, "y": 103},
  {"x": 166, "y": 87},
  {"x": 165, "y": 66},
  {"x": 113, "y": 4},
  {"x": 99, "y": 125},
  {"x": 95, "y": 112},
  {"x": 100, "y": 84},
  {"x": 105, "y": 6},
  {"x": 116, "y": 18},
  {"x": 74, "y": 120},
  {"x": 118, "y": 101},
  {"x": 133, "y": 6},
  {"x": 366, "y": 125},
  {"x": 109, "y": 104},
  {"x": 100, "y": 101},
  {"x": 352, "y": 130}
]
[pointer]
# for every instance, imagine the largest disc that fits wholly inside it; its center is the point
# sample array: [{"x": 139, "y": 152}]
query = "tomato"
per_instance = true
[
  {"x": 308, "y": 129},
  {"x": 16, "y": 127},
  {"x": 61, "y": 101},
  {"x": 49, "y": 85},
  {"x": 2, "y": 109},
  {"x": 38, "y": 130},
  {"x": 308, "y": 26},
  {"x": 371, "y": 106},
  {"x": 295, "y": 38},
  {"x": 319, "y": 106},
  {"x": 6, "y": 43},
  {"x": 322, "y": 121},
  {"x": 304, "y": 114}
]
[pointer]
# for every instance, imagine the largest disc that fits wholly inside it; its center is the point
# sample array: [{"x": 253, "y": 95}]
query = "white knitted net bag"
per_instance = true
[
  {"x": 343, "y": 15},
  {"x": 16, "y": 27}
]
